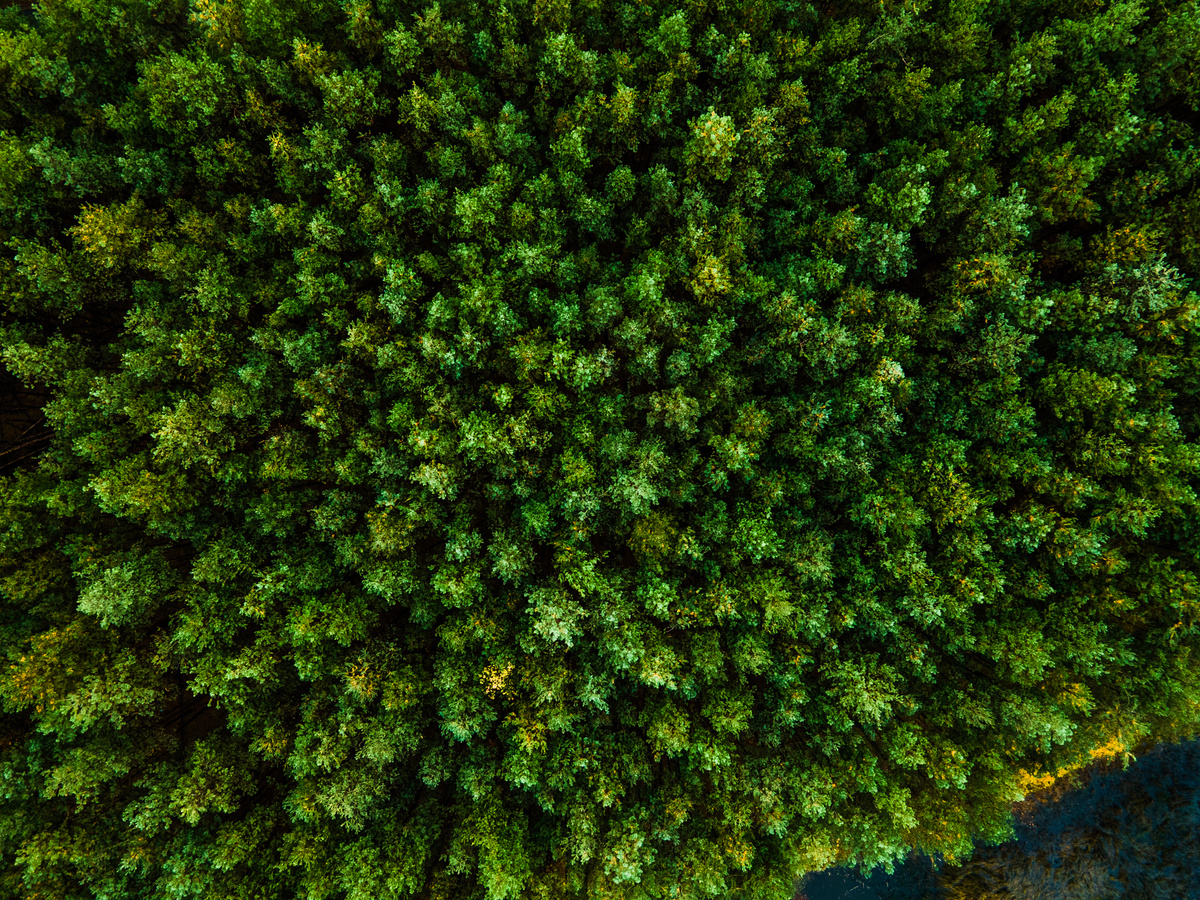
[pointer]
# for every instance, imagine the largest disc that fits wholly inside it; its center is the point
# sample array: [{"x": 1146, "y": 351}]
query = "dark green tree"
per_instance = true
[{"x": 619, "y": 449}]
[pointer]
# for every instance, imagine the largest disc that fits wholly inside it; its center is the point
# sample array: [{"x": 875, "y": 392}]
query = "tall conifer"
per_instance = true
[{"x": 600, "y": 450}]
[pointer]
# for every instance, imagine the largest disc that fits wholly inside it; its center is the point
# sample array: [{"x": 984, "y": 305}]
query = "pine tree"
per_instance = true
[{"x": 614, "y": 450}]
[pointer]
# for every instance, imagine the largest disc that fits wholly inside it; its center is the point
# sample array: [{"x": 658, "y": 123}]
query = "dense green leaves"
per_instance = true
[{"x": 518, "y": 450}]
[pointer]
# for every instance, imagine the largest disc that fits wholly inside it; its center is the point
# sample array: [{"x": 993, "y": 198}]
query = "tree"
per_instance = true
[{"x": 626, "y": 450}]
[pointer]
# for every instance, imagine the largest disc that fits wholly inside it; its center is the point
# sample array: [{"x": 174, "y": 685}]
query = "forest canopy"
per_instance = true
[{"x": 517, "y": 450}]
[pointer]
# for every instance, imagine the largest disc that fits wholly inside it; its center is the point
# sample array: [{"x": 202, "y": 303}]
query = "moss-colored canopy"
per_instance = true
[{"x": 546, "y": 451}]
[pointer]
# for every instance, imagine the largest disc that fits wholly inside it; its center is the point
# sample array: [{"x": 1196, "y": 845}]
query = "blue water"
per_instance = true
[
  {"x": 1143, "y": 821},
  {"x": 912, "y": 880}
]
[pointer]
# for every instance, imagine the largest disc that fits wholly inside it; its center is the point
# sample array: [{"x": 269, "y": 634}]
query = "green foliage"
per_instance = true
[{"x": 621, "y": 450}]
